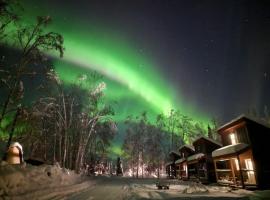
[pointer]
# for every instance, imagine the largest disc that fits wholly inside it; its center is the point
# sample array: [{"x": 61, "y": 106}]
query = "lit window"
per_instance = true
[
  {"x": 236, "y": 164},
  {"x": 233, "y": 138},
  {"x": 251, "y": 175},
  {"x": 249, "y": 164},
  {"x": 185, "y": 167}
]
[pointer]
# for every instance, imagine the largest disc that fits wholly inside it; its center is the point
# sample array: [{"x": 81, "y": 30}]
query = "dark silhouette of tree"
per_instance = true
[
  {"x": 33, "y": 42},
  {"x": 210, "y": 134},
  {"x": 119, "y": 171},
  {"x": 76, "y": 114},
  {"x": 63, "y": 121}
]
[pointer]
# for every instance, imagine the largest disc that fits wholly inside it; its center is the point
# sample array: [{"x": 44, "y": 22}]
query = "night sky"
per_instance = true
[{"x": 208, "y": 58}]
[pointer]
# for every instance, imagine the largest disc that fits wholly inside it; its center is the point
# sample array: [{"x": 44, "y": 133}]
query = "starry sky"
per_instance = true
[{"x": 208, "y": 58}]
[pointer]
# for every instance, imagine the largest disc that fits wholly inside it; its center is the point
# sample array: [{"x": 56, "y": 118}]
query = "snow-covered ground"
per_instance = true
[
  {"x": 38, "y": 182},
  {"x": 52, "y": 182},
  {"x": 184, "y": 190}
]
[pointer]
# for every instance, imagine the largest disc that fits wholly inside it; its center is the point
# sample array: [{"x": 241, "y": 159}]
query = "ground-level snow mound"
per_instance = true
[
  {"x": 21, "y": 179},
  {"x": 195, "y": 188}
]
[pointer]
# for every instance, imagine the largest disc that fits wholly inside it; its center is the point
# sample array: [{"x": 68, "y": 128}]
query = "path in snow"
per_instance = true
[
  {"x": 106, "y": 188},
  {"x": 118, "y": 188}
]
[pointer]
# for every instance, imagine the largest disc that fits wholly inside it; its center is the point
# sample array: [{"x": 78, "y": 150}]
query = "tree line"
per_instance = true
[
  {"x": 147, "y": 143},
  {"x": 55, "y": 122}
]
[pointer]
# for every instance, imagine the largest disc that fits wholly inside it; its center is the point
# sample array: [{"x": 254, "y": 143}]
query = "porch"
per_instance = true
[
  {"x": 234, "y": 166},
  {"x": 182, "y": 169},
  {"x": 197, "y": 169}
]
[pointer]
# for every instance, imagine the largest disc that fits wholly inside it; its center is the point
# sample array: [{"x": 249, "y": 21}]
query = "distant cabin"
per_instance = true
[
  {"x": 244, "y": 160},
  {"x": 170, "y": 166},
  {"x": 181, "y": 164},
  {"x": 201, "y": 165}
]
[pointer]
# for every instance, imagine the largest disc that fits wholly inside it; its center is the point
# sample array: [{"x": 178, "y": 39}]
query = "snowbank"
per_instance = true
[
  {"x": 195, "y": 188},
  {"x": 20, "y": 179},
  {"x": 186, "y": 190}
]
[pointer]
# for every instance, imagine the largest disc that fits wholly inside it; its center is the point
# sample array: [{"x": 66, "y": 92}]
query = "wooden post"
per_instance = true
[
  {"x": 197, "y": 170},
  {"x": 234, "y": 179},
  {"x": 215, "y": 165}
]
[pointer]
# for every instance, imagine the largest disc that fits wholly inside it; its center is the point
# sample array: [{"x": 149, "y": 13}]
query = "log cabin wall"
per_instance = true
[
  {"x": 257, "y": 135},
  {"x": 173, "y": 167},
  {"x": 260, "y": 143},
  {"x": 248, "y": 168},
  {"x": 209, "y": 148},
  {"x": 185, "y": 152},
  {"x": 240, "y": 131},
  {"x": 206, "y": 147},
  {"x": 199, "y": 146},
  {"x": 184, "y": 170}
]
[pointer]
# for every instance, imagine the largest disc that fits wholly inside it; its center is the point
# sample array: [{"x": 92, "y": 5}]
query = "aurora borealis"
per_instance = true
[
  {"x": 132, "y": 80},
  {"x": 207, "y": 59}
]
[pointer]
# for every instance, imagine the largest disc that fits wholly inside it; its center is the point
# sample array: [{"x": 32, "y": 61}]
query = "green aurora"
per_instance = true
[
  {"x": 127, "y": 82},
  {"x": 132, "y": 80}
]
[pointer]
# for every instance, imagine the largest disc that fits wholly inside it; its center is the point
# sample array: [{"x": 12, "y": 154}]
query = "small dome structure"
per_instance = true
[{"x": 15, "y": 153}]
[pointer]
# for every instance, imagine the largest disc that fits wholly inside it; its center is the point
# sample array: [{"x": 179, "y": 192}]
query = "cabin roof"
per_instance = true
[
  {"x": 208, "y": 139},
  {"x": 242, "y": 118},
  {"x": 195, "y": 156},
  {"x": 230, "y": 149},
  {"x": 174, "y": 153},
  {"x": 187, "y": 146},
  {"x": 168, "y": 163},
  {"x": 180, "y": 161}
]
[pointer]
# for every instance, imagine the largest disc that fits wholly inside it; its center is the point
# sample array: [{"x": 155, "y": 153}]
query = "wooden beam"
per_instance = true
[
  {"x": 232, "y": 169},
  {"x": 215, "y": 165}
]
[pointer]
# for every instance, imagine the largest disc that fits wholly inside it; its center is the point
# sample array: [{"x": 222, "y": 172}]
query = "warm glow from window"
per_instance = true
[
  {"x": 236, "y": 164},
  {"x": 233, "y": 138},
  {"x": 251, "y": 175},
  {"x": 249, "y": 164},
  {"x": 185, "y": 167}
]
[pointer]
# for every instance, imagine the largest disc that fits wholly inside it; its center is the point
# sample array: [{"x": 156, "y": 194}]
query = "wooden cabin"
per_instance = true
[
  {"x": 201, "y": 165},
  {"x": 181, "y": 164},
  {"x": 170, "y": 166},
  {"x": 243, "y": 161}
]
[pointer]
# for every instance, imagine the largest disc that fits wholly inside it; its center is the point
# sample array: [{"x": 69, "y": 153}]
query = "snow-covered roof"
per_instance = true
[
  {"x": 209, "y": 139},
  {"x": 180, "y": 161},
  {"x": 242, "y": 116},
  {"x": 174, "y": 152},
  {"x": 187, "y": 146},
  {"x": 230, "y": 149},
  {"x": 18, "y": 145},
  {"x": 168, "y": 163},
  {"x": 195, "y": 156}
]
